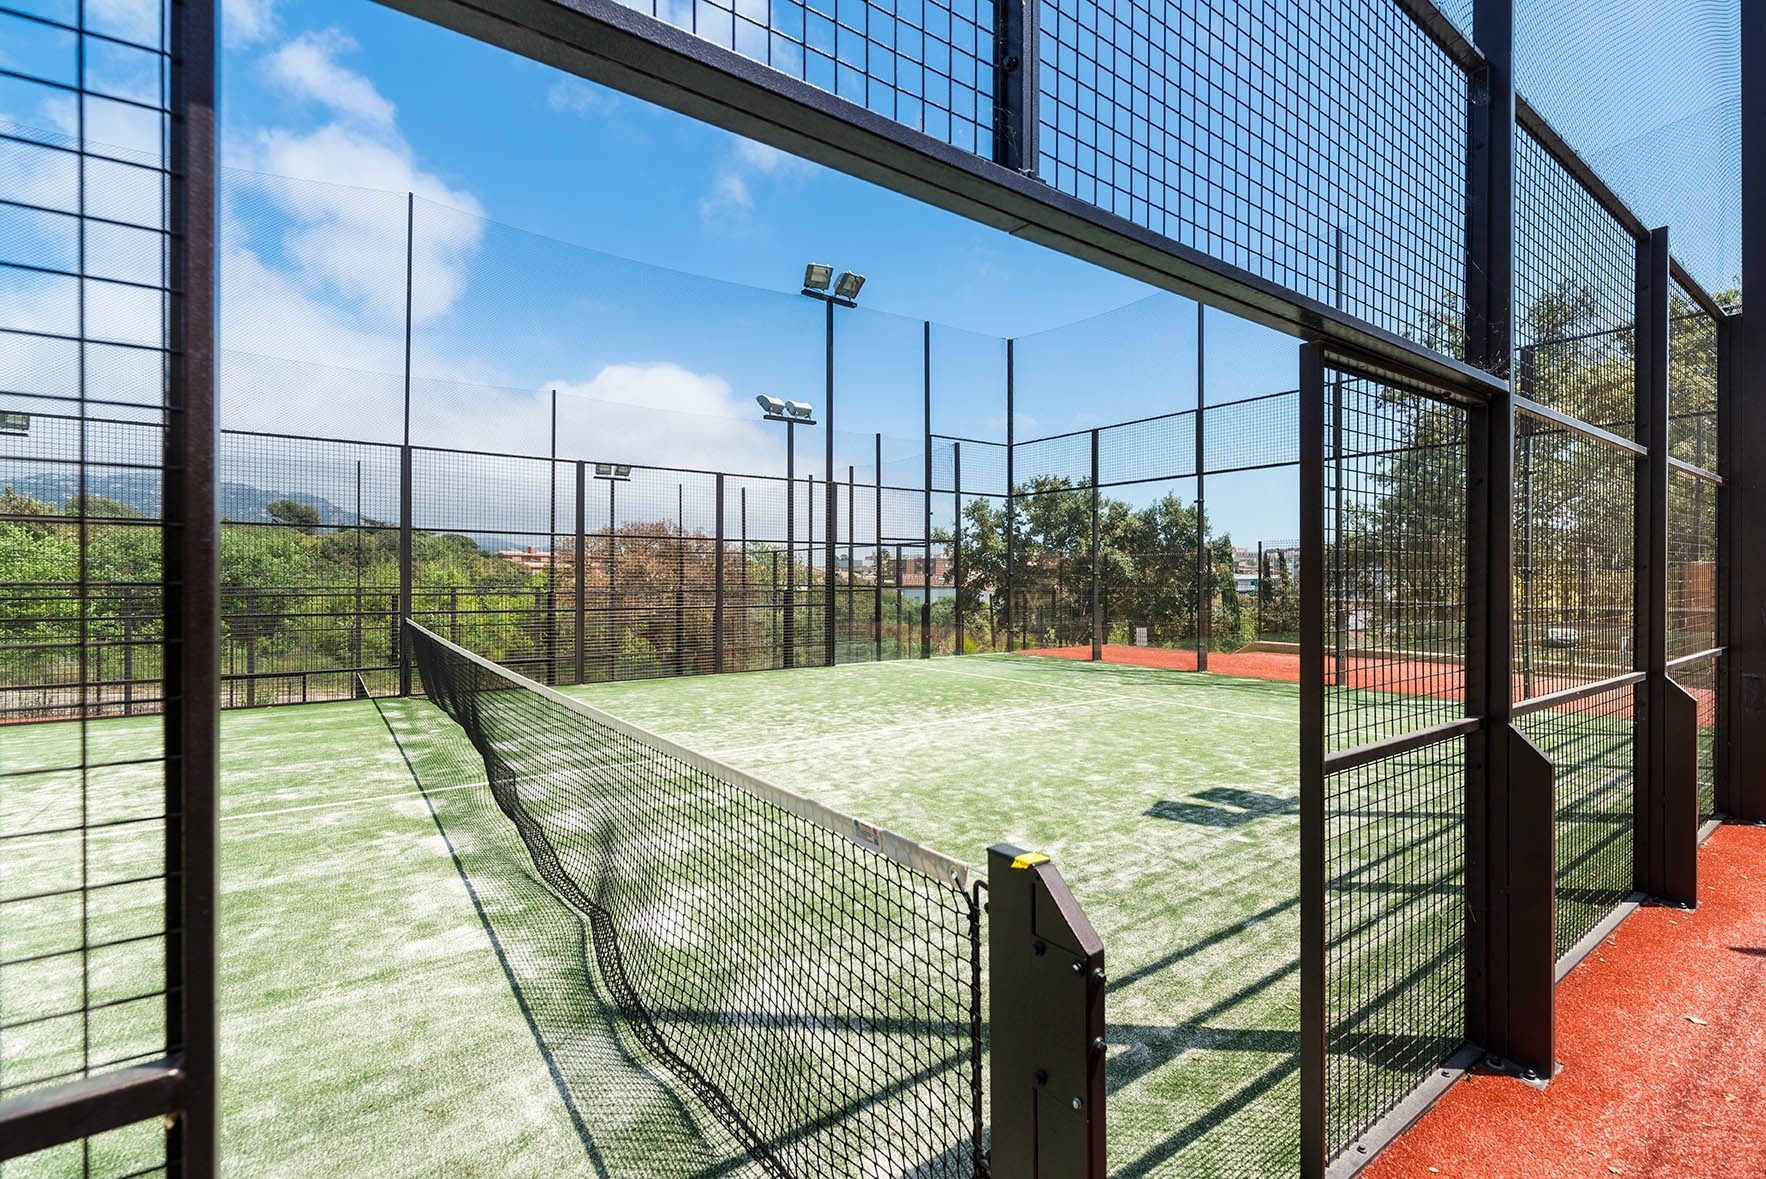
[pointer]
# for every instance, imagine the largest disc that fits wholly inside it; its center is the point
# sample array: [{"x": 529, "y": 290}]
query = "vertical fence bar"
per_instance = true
[
  {"x": 877, "y": 567},
  {"x": 1313, "y": 1147},
  {"x": 1728, "y": 714},
  {"x": 551, "y": 648},
  {"x": 831, "y": 490},
  {"x": 405, "y": 572},
  {"x": 190, "y": 585},
  {"x": 1011, "y": 397},
  {"x": 717, "y": 584},
  {"x": 580, "y": 661},
  {"x": 680, "y": 579},
  {"x": 790, "y": 619},
  {"x": 1747, "y": 471},
  {"x": 1262, "y": 572},
  {"x": 1015, "y": 85},
  {"x": 1204, "y": 574},
  {"x": 956, "y": 542},
  {"x": 1097, "y": 608},
  {"x": 851, "y": 558},
  {"x": 1667, "y": 839},
  {"x": 926, "y": 565}
]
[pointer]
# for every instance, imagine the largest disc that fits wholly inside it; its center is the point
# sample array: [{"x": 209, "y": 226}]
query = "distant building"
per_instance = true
[{"x": 532, "y": 560}]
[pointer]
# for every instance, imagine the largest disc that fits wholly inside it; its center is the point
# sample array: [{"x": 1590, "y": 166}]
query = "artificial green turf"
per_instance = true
[{"x": 368, "y": 1022}]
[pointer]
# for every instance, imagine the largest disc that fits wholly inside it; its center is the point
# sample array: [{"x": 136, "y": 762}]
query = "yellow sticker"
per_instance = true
[{"x": 1029, "y": 858}]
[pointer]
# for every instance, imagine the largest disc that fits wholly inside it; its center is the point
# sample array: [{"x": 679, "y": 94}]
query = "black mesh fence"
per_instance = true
[
  {"x": 1394, "y": 548},
  {"x": 809, "y": 983},
  {"x": 92, "y": 927},
  {"x": 1592, "y": 745},
  {"x": 1395, "y": 555}
]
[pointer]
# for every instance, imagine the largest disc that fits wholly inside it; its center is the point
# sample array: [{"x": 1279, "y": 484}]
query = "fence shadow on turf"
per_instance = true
[{"x": 629, "y": 1119}]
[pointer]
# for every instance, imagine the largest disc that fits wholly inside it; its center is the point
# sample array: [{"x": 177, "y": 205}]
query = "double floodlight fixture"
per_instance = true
[
  {"x": 789, "y": 411},
  {"x": 612, "y": 471},
  {"x": 817, "y": 278}
]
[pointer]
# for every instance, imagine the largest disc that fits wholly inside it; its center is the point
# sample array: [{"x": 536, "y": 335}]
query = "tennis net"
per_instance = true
[{"x": 810, "y": 983}]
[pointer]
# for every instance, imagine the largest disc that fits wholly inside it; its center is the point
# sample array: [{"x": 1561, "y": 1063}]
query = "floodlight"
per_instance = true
[
  {"x": 603, "y": 469},
  {"x": 799, "y": 409},
  {"x": 816, "y": 277},
  {"x": 849, "y": 284},
  {"x": 15, "y": 423},
  {"x": 772, "y": 405},
  {"x": 622, "y": 471}
]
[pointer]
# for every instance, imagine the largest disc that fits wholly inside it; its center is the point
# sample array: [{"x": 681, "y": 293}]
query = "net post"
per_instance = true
[{"x": 1046, "y": 1022}]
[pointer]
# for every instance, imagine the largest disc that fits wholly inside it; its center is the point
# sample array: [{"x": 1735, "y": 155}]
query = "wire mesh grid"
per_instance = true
[
  {"x": 1575, "y": 560},
  {"x": 1702, "y": 678},
  {"x": 1395, "y": 553},
  {"x": 1692, "y": 564},
  {"x": 84, "y": 923},
  {"x": 1157, "y": 448},
  {"x": 1394, "y": 930},
  {"x": 1575, "y": 296},
  {"x": 1200, "y": 123},
  {"x": 1591, "y": 743},
  {"x": 815, "y": 996},
  {"x": 1692, "y": 383},
  {"x": 919, "y": 62}
]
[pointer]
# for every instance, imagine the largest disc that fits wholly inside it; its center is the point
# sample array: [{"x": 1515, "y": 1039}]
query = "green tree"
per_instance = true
[{"x": 294, "y": 513}]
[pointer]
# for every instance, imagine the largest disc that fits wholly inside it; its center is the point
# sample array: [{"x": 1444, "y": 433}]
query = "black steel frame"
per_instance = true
[{"x": 182, "y": 1086}]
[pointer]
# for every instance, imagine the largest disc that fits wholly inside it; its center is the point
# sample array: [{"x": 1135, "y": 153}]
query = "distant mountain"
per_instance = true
[{"x": 140, "y": 490}]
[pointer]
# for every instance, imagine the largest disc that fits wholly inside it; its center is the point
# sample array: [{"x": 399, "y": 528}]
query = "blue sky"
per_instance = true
[
  {"x": 656, "y": 259},
  {"x": 654, "y": 264}
]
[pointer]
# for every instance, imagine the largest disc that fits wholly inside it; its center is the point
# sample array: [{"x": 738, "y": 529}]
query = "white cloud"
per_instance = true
[
  {"x": 579, "y": 97},
  {"x": 730, "y": 201},
  {"x": 245, "y": 23},
  {"x": 132, "y": 20},
  {"x": 307, "y": 67},
  {"x": 706, "y": 424}
]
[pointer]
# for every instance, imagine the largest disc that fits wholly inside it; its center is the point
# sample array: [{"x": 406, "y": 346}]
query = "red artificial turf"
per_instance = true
[{"x": 1662, "y": 1036}]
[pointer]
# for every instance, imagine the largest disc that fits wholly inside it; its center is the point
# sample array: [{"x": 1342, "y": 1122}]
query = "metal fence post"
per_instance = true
[
  {"x": 680, "y": 579},
  {"x": 1667, "y": 838},
  {"x": 1011, "y": 392},
  {"x": 831, "y": 492},
  {"x": 926, "y": 565},
  {"x": 1747, "y": 442},
  {"x": 956, "y": 542},
  {"x": 1097, "y": 609},
  {"x": 1204, "y": 572},
  {"x": 190, "y": 585},
  {"x": 1511, "y": 903},
  {"x": 1313, "y": 1147},
  {"x": 1015, "y": 85},
  {"x": 851, "y": 557},
  {"x": 580, "y": 659},
  {"x": 877, "y": 571},
  {"x": 717, "y": 584},
  {"x": 403, "y": 608}
]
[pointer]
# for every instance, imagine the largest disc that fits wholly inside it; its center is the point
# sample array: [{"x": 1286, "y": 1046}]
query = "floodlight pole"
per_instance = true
[
  {"x": 831, "y": 509},
  {"x": 791, "y": 423}
]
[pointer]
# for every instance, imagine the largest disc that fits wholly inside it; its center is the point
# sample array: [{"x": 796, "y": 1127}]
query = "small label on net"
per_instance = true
[{"x": 868, "y": 835}]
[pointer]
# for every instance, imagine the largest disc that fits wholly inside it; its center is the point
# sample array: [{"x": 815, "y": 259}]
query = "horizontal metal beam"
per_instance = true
[
  {"x": 1696, "y": 657},
  {"x": 1580, "y": 692},
  {"x": 1576, "y": 426},
  {"x": 79, "y": 1109},
  {"x": 608, "y": 43},
  {"x": 1362, "y": 755}
]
